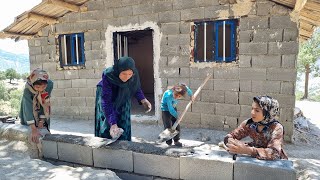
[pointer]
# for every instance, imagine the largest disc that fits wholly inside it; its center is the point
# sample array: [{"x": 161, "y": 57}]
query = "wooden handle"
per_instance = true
[{"x": 190, "y": 102}]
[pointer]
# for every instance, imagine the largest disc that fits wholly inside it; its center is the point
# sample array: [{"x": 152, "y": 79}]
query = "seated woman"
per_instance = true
[{"x": 263, "y": 128}]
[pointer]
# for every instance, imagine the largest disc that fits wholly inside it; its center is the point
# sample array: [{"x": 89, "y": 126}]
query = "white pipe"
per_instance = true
[
  {"x": 224, "y": 40},
  {"x": 118, "y": 47},
  {"x": 205, "y": 43},
  {"x": 65, "y": 49},
  {"x": 77, "y": 53}
]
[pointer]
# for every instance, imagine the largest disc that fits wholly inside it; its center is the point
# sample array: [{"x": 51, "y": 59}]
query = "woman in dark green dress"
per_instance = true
[{"x": 113, "y": 99}]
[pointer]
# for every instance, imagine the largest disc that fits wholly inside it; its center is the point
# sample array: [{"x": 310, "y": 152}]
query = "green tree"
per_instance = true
[
  {"x": 2, "y": 75},
  {"x": 4, "y": 95},
  {"x": 309, "y": 53},
  {"x": 24, "y": 76},
  {"x": 11, "y": 74}
]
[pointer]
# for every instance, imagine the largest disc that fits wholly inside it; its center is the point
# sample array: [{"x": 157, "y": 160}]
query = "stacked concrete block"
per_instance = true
[
  {"x": 246, "y": 168},
  {"x": 113, "y": 159}
]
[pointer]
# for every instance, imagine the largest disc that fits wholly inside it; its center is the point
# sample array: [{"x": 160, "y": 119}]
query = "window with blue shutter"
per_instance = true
[
  {"x": 71, "y": 48},
  {"x": 215, "y": 41}
]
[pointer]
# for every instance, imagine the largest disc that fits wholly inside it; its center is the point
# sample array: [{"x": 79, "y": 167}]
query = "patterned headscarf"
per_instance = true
[
  {"x": 269, "y": 106},
  {"x": 39, "y": 98}
]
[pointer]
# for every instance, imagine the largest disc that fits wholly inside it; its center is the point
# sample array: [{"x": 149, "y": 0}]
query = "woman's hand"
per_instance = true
[
  {"x": 35, "y": 134},
  {"x": 147, "y": 105},
  {"x": 192, "y": 98},
  {"x": 114, "y": 130},
  {"x": 238, "y": 147}
]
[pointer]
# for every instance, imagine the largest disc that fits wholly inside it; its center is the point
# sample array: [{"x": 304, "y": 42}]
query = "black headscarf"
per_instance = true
[{"x": 126, "y": 89}]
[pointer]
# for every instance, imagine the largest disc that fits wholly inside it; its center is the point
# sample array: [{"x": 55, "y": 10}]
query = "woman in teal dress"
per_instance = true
[
  {"x": 35, "y": 103},
  {"x": 113, "y": 99}
]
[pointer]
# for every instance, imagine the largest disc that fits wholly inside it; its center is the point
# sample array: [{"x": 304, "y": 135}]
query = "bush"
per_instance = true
[
  {"x": 299, "y": 95},
  {"x": 4, "y": 95},
  {"x": 15, "y": 101}
]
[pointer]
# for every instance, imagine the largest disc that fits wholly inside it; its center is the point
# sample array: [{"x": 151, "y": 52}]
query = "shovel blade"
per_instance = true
[{"x": 167, "y": 134}]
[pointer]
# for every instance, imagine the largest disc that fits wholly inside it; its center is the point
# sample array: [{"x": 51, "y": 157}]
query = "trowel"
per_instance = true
[
  {"x": 170, "y": 133},
  {"x": 110, "y": 141}
]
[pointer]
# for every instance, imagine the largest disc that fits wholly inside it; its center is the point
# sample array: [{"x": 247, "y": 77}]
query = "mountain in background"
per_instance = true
[{"x": 19, "y": 62}]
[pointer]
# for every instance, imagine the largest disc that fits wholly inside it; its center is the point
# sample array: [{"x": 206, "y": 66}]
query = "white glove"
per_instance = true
[{"x": 147, "y": 105}]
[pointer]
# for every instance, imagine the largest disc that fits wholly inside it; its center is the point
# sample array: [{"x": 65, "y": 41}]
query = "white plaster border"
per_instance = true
[{"x": 156, "y": 39}]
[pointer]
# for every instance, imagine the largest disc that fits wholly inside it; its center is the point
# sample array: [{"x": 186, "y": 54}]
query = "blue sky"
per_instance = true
[{"x": 8, "y": 11}]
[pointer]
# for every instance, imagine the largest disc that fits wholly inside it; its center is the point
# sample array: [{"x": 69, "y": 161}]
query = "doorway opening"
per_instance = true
[{"x": 138, "y": 44}]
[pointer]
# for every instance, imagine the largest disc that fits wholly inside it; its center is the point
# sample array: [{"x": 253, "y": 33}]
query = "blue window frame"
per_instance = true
[
  {"x": 215, "y": 41},
  {"x": 71, "y": 48}
]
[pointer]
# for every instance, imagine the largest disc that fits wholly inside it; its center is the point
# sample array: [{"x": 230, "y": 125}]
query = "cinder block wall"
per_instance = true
[{"x": 267, "y": 51}]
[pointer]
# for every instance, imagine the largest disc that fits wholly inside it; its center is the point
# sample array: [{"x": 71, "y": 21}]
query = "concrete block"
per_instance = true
[
  {"x": 267, "y": 35},
  {"x": 95, "y": 5},
  {"x": 232, "y": 123},
  {"x": 190, "y": 14},
  {"x": 148, "y": 17},
  {"x": 64, "y": 101},
  {"x": 50, "y": 67},
  {"x": 253, "y": 74},
  {"x": 242, "y": 9},
  {"x": 226, "y": 85},
  {"x": 183, "y": 4},
  {"x": 173, "y": 81},
  {"x": 207, "y": 166},
  {"x": 41, "y": 58},
  {"x": 205, "y": 3},
  {"x": 172, "y": 28},
  {"x": 246, "y": 98},
  {"x": 90, "y": 101},
  {"x": 179, "y": 61},
  {"x": 253, "y": 48},
  {"x": 290, "y": 34},
  {"x": 94, "y": 25},
  {"x": 245, "y": 110},
  {"x": 263, "y": 8},
  {"x": 184, "y": 72},
  {"x": 184, "y": 28},
  {"x": 212, "y": 121},
  {"x": 265, "y": 87},
  {"x": 203, "y": 107},
  {"x": 113, "y": 159},
  {"x": 266, "y": 61},
  {"x": 93, "y": 54},
  {"x": 92, "y": 82},
  {"x": 161, "y": 6},
  {"x": 75, "y": 153},
  {"x": 245, "y": 61},
  {"x": 156, "y": 165},
  {"x": 281, "y": 74},
  {"x": 216, "y": 11},
  {"x": 254, "y": 23},
  {"x": 50, "y": 149},
  {"x": 289, "y": 61},
  {"x": 287, "y": 88},
  {"x": 169, "y": 16},
  {"x": 212, "y": 96},
  {"x": 86, "y": 74},
  {"x": 231, "y": 97},
  {"x": 191, "y": 119},
  {"x": 57, "y": 93},
  {"x": 286, "y": 114},
  {"x": 129, "y": 20},
  {"x": 283, "y": 48},
  {"x": 169, "y": 72},
  {"x": 78, "y": 101},
  {"x": 201, "y": 72},
  {"x": 123, "y": 11},
  {"x": 282, "y": 22},
  {"x": 195, "y": 83},
  {"x": 246, "y": 36},
  {"x": 34, "y": 50},
  {"x": 111, "y": 22},
  {"x": 79, "y": 83},
  {"x": 64, "y": 28},
  {"x": 228, "y": 109},
  {"x": 182, "y": 105},
  {"x": 285, "y": 101},
  {"x": 49, "y": 49},
  {"x": 92, "y": 36},
  {"x": 226, "y": 73},
  {"x": 142, "y": 8},
  {"x": 71, "y": 74},
  {"x": 86, "y": 92},
  {"x": 260, "y": 169},
  {"x": 71, "y": 92},
  {"x": 245, "y": 85},
  {"x": 72, "y": 111},
  {"x": 59, "y": 75}
]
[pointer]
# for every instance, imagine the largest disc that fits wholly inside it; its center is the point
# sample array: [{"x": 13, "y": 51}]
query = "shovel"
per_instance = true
[{"x": 170, "y": 133}]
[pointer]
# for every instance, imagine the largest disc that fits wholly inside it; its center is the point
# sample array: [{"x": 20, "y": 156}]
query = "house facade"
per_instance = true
[{"x": 249, "y": 48}]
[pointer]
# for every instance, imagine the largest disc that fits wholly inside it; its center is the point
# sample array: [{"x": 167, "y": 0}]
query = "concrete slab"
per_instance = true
[
  {"x": 156, "y": 165},
  {"x": 113, "y": 159},
  {"x": 207, "y": 163},
  {"x": 247, "y": 168}
]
